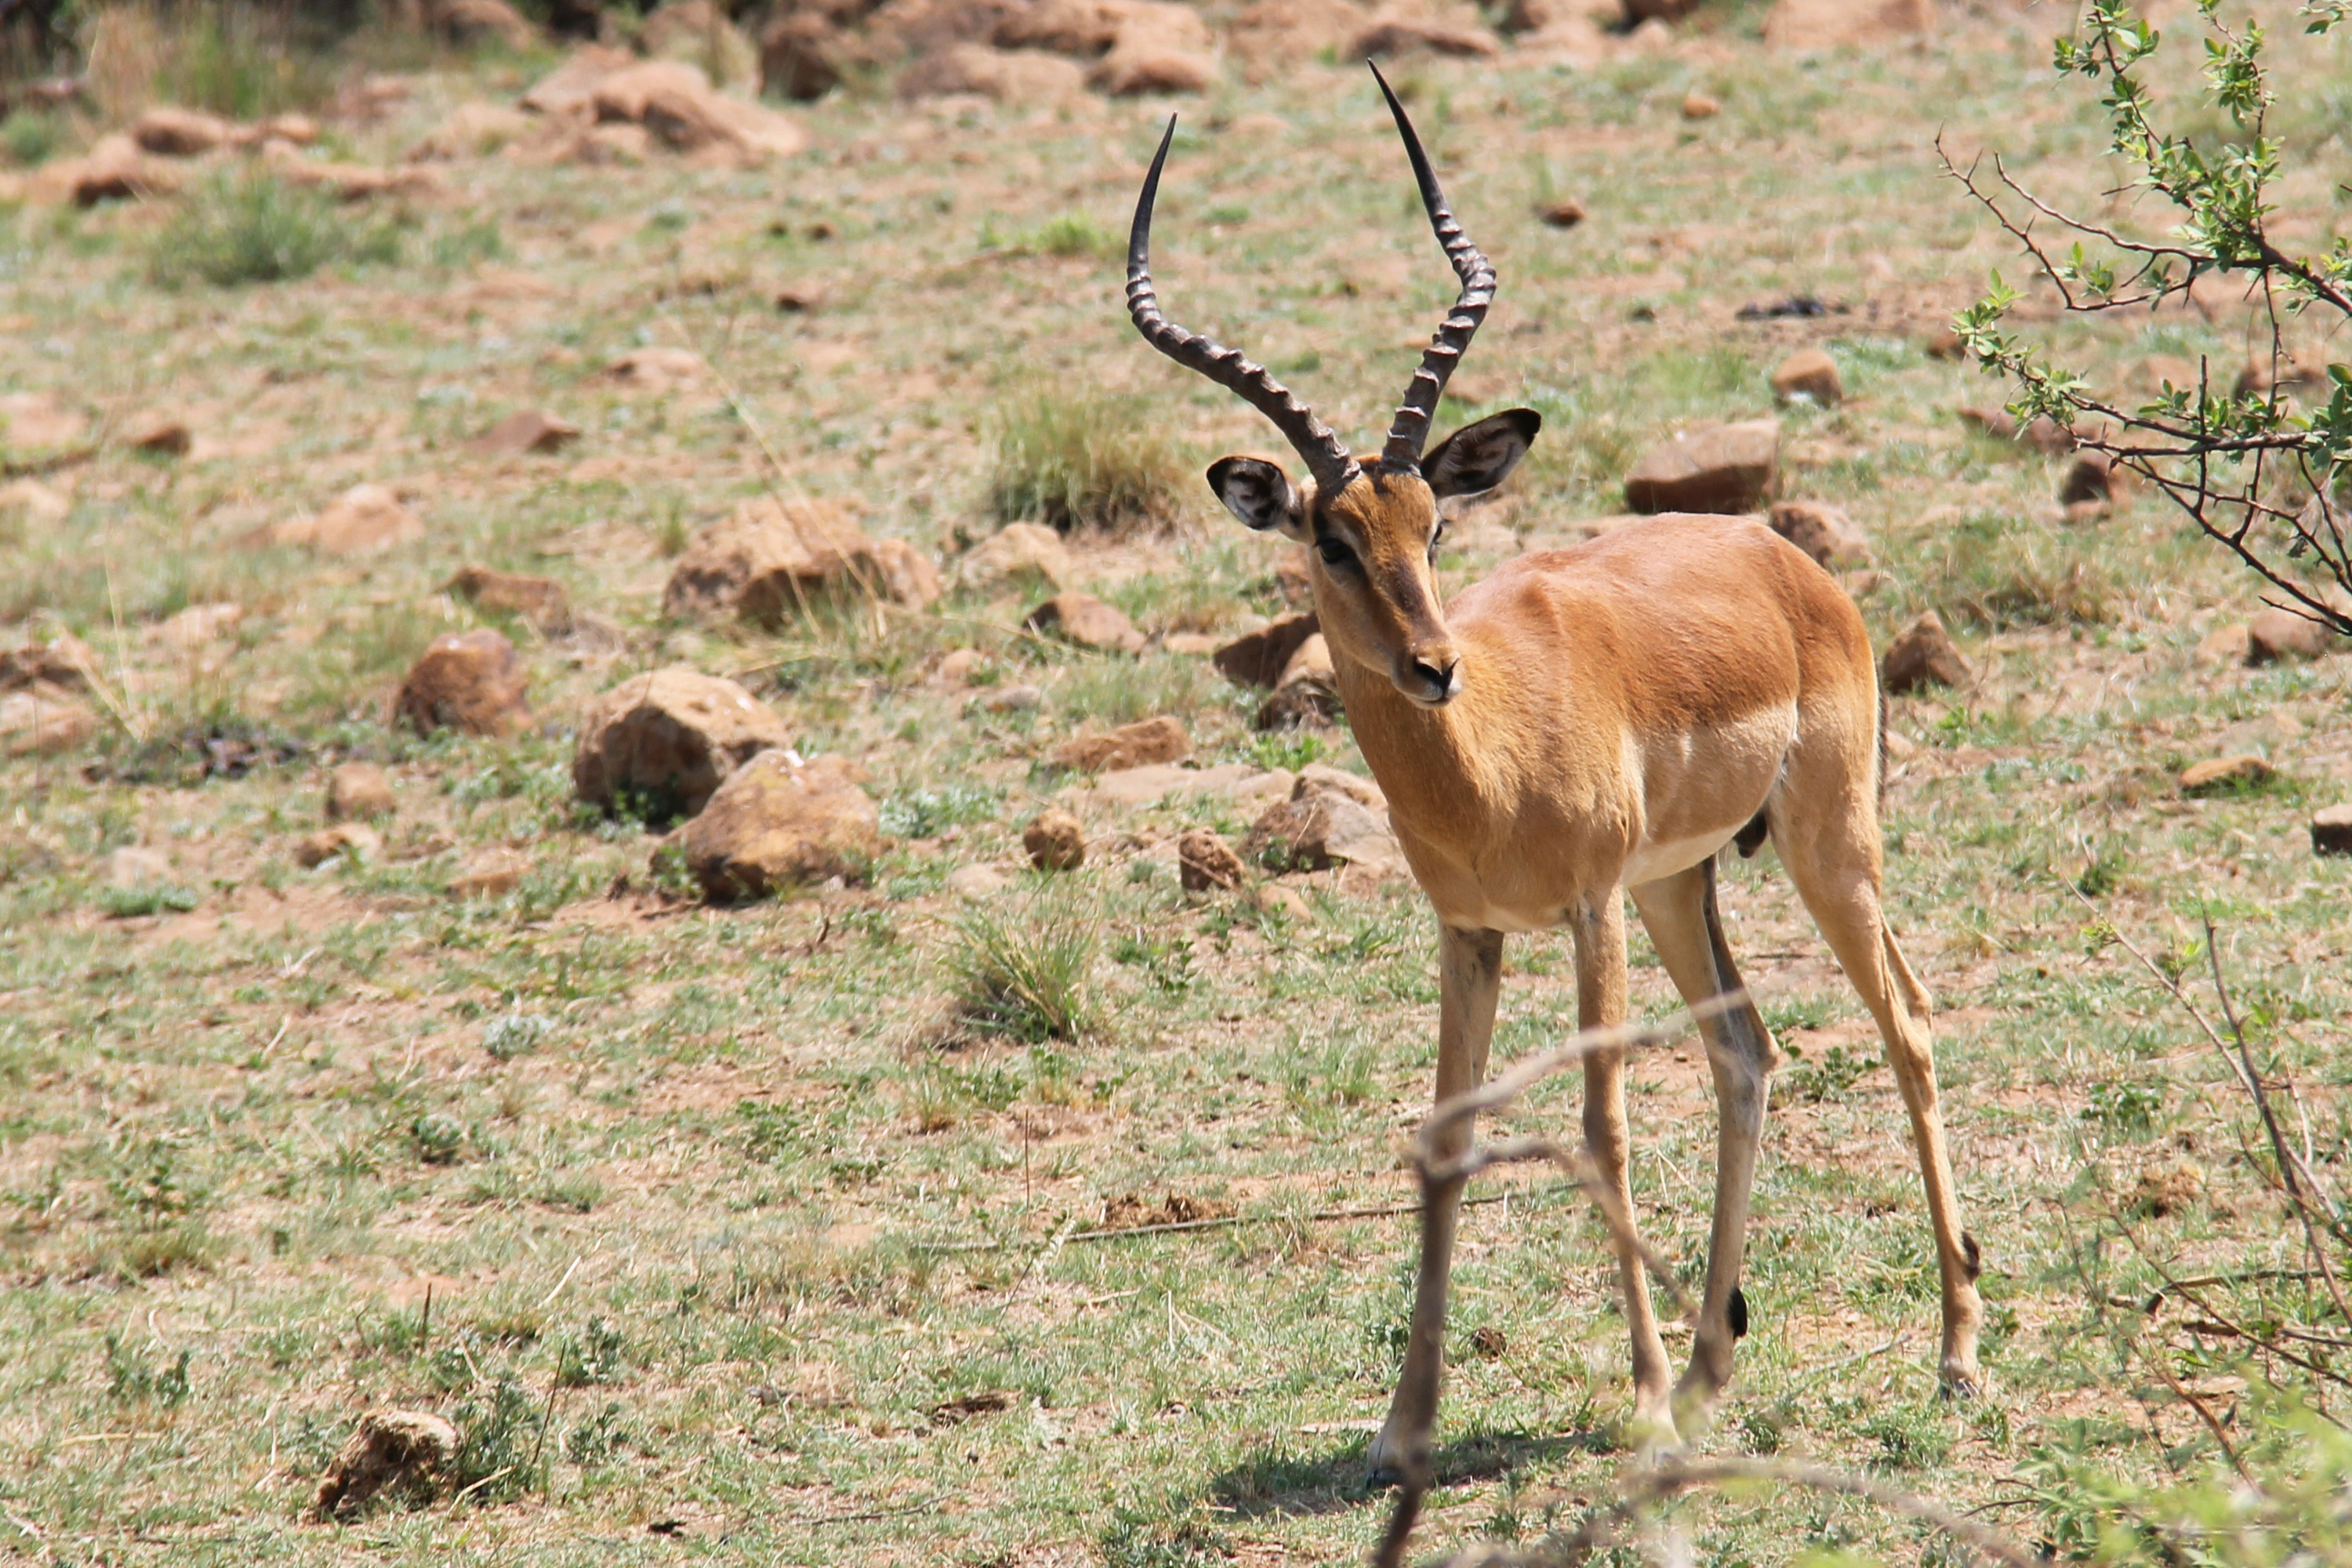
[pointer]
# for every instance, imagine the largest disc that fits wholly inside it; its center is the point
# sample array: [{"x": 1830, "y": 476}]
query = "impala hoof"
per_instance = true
[
  {"x": 1383, "y": 1462},
  {"x": 1961, "y": 1383}
]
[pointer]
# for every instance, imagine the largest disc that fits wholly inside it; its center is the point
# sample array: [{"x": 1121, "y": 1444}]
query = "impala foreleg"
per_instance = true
[
  {"x": 1470, "y": 976},
  {"x": 1600, "y": 930},
  {"x": 1686, "y": 929}
]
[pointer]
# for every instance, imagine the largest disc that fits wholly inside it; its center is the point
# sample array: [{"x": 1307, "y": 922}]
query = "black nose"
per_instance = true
[{"x": 1440, "y": 678}]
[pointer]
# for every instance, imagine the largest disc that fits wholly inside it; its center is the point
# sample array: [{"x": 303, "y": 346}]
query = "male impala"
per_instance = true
[{"x": 1585, "y": 720}]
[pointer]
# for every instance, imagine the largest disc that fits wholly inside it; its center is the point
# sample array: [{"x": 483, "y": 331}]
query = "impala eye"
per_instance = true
[{"x": 1333, "y": 551}]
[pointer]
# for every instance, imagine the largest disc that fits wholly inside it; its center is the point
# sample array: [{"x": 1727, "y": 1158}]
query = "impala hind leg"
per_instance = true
[
  {"x": 1600, "y": 1004},
  {"x": 1680, "y": 914},
  {"x": 1832, "y": 853},
  {"x": 1469, "y": 978}
]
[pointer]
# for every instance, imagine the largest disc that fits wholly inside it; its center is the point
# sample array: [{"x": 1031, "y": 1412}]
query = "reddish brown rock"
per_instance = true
[
  {"x": 542, "y": 601},
  {"x": 2217, "y": 773},
  {"x": 801, "y": 57},
  {"x": 664, "y": 742},
  {"x": 657, "y": 368},
  {"x": 1321, "y": 826},
  {"x": 1809, "y": 374},
  {"x": 1822, "y": 532},
  {"x": 2090, "y": 479},
  {"x": 1159, "y": 47},
  {"x": 1701, "y": 106},
  {"x": 2331, "y": 830},
  {"x": 357, "y": 791},
  {"x": 362, "y": 520},
  {"x": 2279, "y": 634},
  {"x": 777, "y": 822},
  {"x": 468, "y": 681},
  {"x": 181, "y": 133},
  {"x": 676, "y": 102},
  {"x": 526, "y": 430},
  {"x": 1564, "y": 213},
  {"x": 1007, "y": 76},
  {"x": 159, "y": 434},
  {"x": 1399, "y": 34},
  {"x": 1057, "y": 841},
  {"x": 1083, "y": 619},
  {"x": 1205, "y": 861},
  {"x": 1923, "y": 654},
  {"x": 476, "y": 22},
  {"x": 42, "y": 718},
  {"x": 1136, "y": 745},
  {"x": 405, "y": 1453},
  {"x": 2041, "y": 433},
  {"x": 491, "y": 874},
  {"x": 1715, "y": 468},
  {"x": 1259, "y": 658},
  {"x": 773, "y": 560},
  {"x": 350, "y": 840}
]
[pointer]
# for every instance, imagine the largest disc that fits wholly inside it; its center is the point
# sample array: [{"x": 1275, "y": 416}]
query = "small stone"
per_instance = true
[
  {"x": 363, "y": 518},
  {"x": 1083, "y": 619},
  {"x": 467, "y": 681},
  {"x": 1056, "y": 840},
  {"x": 181, "y": 133},
  {"x": 2331, "y": 830},
  {"x": 1319, "y": 827},
  {"x": 1274, "y": 899},
  {"x": 1564, "y": 213},
  {"x": 778, "y": 822},
  {"x": 662, "y": 743},
  {"x": 956, "y": 669},
  {"x": 798, "y": 299},
  {"x": 1822, "y": 532},
  {"x": 1700, "y": 106},
  {"x": 32, "y": 499},
  {"x": 1021, "y": 699},
  {"x": 1205, "y": 861},
  {"x": 542, "y": 601},
  {"x": 1016, "y": 550},
  {"x": 1139, "y": 744},
  {"x": 1923, "y": 654},
  {"x": 404, "y": 1452},
  {"x": 2225, "y": 645},
  {"x": 1810, "y": 374},
  {"x": 2278, "y": 634},
  {"x": 355, "y": 840},
  {"x": 491, "y": 875},
  {"x": 1259, "y": 658},
  {"x": 159, "y": 434},
  {"x": 2223, "y": 773},
  {"x": 2090, "y": 479},
  {"x": 1713, "y": 469},
  {"x": 975, "y": 881},
  {"x": 526, "y": 430},
  {"x": 133, "y": 868},
  {"x": 43, "y": 718},
  {"x": 657, "y": 369},
  {"x": 770, "y": 560},
  {"x": 356, "y": 791}
]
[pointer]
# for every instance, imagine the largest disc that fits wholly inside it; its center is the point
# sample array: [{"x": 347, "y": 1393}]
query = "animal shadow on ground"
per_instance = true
[{"x": 1276, "y": 1480}]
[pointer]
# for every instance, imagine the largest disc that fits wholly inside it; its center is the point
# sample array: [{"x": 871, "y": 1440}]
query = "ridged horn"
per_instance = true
[
  {"x": 1325, "y": 454},
  {"x": 1410, "y": 431}
]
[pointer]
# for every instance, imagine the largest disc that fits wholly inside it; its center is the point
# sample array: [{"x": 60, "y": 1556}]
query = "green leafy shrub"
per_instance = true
[{"x": 253, "y": 228}]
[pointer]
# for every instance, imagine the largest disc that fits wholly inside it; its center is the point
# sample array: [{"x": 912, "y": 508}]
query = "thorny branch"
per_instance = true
[{"x": 2258, "y": 473}]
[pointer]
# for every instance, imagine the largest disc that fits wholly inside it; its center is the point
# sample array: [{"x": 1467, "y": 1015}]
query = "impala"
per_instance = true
[{"x": 1583, "y": 721}]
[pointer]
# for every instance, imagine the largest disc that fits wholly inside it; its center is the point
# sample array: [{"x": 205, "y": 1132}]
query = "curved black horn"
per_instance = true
[
  {"x": 1324, "y": 454},
  {"x": 1410, "y": 431}
]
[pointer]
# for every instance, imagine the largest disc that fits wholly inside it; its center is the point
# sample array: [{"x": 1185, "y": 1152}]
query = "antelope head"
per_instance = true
[{"x": 1373, "y": 530}]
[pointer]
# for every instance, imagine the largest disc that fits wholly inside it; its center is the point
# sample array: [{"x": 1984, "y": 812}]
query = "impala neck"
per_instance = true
[{"x": 1435, "y": 765}]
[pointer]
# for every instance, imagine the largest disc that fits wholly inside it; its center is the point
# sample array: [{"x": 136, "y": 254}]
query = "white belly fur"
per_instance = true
[{"x": 1651, "y": 861}]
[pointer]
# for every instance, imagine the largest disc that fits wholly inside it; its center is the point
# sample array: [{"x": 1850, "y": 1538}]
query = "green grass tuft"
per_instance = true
[
  {"x": 255, "y": 228},
  {"x": 1081, "y": 460},
  {"x": 1028, "y": 973}
]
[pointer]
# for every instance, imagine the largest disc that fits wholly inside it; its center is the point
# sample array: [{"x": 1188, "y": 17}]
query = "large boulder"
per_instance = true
[
  {"x": 1715, "y": 468},
  {"x": 1923, "y": 654},
  {"x": 1089, "y": 622},
  {"x": 2279, "y": 634},
  {"x": 1330, "y": 819},
  {"x": 360, "y": 520},
  {"x": 770, "y": 560},
  {"x": 661, "y": 744},
  {"x": 1259, "y": 658},
  {"x": 468, "y": 681},
  {"x": 801, "y": 57},
  {"x": 778, "y": 821},
  {"x": 676, "y": 103},
  {"x": 1139, "y": 744},
  {"x": 177, "y": 132}
]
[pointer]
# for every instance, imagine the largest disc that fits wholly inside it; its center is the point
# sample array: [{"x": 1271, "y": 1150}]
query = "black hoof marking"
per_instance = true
[
  {"x": 1737, "y": 1306},
  {"x": 1971, "y": 1254}
]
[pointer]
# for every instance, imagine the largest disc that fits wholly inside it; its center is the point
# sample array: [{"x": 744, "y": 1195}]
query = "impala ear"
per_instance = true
[
  {"x": 1260, "y": 494},
  {"x": 1478, "y": 457}
]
